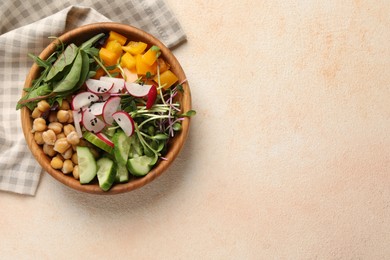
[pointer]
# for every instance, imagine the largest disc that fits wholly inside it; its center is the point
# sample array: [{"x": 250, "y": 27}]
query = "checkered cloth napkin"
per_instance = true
[{"x": 24, "y": 28}]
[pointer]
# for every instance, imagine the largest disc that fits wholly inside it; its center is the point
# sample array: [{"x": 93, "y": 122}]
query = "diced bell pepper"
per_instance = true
[
  {"x": 150, "y": 56},
  {"x": 128, "y": 61},
  {"x": 167, "y": 79},
  {"x": 114, "y": 36},
  {"x": 115, "y": 47},
  {"x": 108, "y": 57},
  {"x": 143, "y": 68},
  {"x": 135, "y": 48}
]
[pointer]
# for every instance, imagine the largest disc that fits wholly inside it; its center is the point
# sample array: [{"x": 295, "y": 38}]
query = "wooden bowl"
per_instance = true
[{"x": 77, "y": 36}]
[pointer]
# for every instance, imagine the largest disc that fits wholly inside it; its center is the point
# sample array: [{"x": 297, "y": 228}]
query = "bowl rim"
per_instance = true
[{"x": 177, "y": 143}]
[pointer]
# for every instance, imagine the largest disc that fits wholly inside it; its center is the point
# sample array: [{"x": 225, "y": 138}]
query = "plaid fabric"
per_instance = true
[{"x": 25, "y": 28}]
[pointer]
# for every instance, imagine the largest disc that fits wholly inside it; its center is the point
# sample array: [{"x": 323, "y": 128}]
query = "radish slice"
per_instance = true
[
  {"x": 105, "y": 139},
  {"x": 152, "y": 96},
  {"x": 98, "y": 86},
  {"x": 104, "y": 96},
  {"x": 92, "y": 123},
  {"x": 137, "y": 90},
  {"x": 97, "y": 108},
  {"x": 125, "y": 122},
  {"x": 83, "y": 99},
  {"x": 130, "y": 76},
  {"x": 109, "y": 108},
  {"x": 118, "y": 84},
  {"x": 77, "y": 119}
]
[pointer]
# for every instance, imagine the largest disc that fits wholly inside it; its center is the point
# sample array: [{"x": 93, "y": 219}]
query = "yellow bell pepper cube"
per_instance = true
[
  {"x": 151, "y": 55},
  {"x": 114, "y": 36},
  {"x": 143, "y": 68},
  {"x": 108, "y": 57},
  {"x": 115, "y": 47},
  {"x": 167, "y": 79},
  {"x": 135, "y": 48},
  {"x": 128, "y": 61}
]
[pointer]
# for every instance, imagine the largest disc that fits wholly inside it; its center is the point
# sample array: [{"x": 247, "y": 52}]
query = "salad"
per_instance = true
[{"x": 104, "y": 110}]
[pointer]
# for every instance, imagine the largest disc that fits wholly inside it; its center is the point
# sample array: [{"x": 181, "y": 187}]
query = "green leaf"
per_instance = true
[
  {"x": 189, "y": 113},
  {"x": 72, "y": 78},
  {"x": 39, "y": 61},
  {"x": 88, "y": 44},
  {"x": 65, "y": 59},
  {"x": 176, "y": 126},
  {"x": 155, "y": 48}
]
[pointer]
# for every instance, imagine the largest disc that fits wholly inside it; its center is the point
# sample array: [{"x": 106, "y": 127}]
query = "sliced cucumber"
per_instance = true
[
  {"x": 106, "y": 172},
  {"x": 136, "y": 148},
  {"x": 121, "y": 147},
  {"x": 122, "y": 175},
  {"x": 93, "y": 139},
  {"x": 139, "y": 166},
  {"x": 87, "y": 164}
]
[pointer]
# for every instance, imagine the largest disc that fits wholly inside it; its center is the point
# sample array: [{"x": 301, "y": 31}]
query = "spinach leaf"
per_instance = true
[
  {"x": 66, "y": 58},
  {"x": 72, "y": 78}
]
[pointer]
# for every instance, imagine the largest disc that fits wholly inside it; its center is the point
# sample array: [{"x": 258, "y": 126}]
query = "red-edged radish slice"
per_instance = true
[
  {"x": 137, "y": 90},
  {"x": 97, "y": 108},
  {"x": 76, "y": 120},
  {"x": 125, "y": 122},
  {"x": 104, "y": 96},
  {"x": 109, "y": 108},
  {"x": 98, "y": 86},
  {"x": 105, "y": 139},
  {"x": 118, "y": 84},
  {"x": 83, "y": 99},
  {"x": 152, "y": 96},
  {"x": 92, "y": 123}
]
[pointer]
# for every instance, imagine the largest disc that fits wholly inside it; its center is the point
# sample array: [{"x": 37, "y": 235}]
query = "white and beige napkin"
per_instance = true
[{"x": 25, "y": 28}]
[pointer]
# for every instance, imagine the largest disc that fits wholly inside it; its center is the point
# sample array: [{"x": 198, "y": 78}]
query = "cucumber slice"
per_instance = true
[
  {"x": 93, "y": 139},
  {"x": 139, "y": 166},
  {"x": 121, "y": 147},
  {"x": 136, "y": 148},
  {"x": 106, "y": 173},
  {"x": 122, "y": 175},
  {"x": 87, "y": 164}
]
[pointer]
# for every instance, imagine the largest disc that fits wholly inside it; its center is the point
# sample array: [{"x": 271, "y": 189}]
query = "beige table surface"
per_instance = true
[{"x": 288, "y": 156}]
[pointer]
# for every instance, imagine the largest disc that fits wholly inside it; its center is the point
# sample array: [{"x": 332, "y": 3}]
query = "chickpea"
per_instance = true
[
  {"x": 63, "y": 116},
  {"x": 75, "y": 159},
  {"x": 67, "y": 167},
  {"x": 38, "y": 138},
  {"x": 60, "y": 156},
  {"x": 75, "y": 172},
  {"x": 61, "y": 135},
  {"x": 73, "y": 138},
  {"x": 49, "y": 150},
  {"x": 68, "y": 129},
  {"x": 43, "y": 106},
  {"x": 39, "y": 125},
  {"x": 49, "y": 137},
  {"x": 68, "y": 153},
  {"x": 61, "y": 145},
  {"x": 56, "y": 127},
  {"x": 36, "y": 113},
  {"x": 56, "y": 163},
  {"x": 70, "y": 120},
  {"x": 53, "y": 116},
  {"x": 65, "y": 105}
]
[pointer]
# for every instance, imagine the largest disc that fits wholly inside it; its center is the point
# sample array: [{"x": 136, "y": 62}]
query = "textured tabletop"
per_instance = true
[{"x": 288, "y": 156}]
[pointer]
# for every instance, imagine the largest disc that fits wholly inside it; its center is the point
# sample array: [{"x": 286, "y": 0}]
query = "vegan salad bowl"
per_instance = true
[{"x": 105, "y": 108}]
